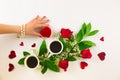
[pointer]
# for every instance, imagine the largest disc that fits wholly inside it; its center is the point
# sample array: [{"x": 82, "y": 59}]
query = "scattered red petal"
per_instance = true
[
  {"x": 46, "y": 31},
  {"x": 33, "y": 45},
  {"x": 12, "y": 54},
  {"x": 83, "y": 65},
  {"x": 101, "y": 56},
  {"x": 11, "y": 67},
  {"x": 102, "y": 39},
  {"x": 21, "y": 44}
]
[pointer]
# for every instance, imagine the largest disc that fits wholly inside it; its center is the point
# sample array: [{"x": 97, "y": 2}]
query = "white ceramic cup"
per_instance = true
[
  {"x": 55, "y": 47},
  {"x": 31, "y": 62}
]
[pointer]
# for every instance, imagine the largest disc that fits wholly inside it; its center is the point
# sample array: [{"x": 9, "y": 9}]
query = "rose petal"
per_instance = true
[
  {"x": 83, "y": 65},
  {"x": 11, "y": 67},
  {"x": 33, "y": 45},
  {"x": 101, "y": 56},
  {"x": 12, "y": 54},
  {"x": 102, "y": 39},
  {"x": 21, "y": 44}
]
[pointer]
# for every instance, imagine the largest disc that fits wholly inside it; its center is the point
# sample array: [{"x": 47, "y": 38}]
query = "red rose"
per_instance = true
[
  {"x": 66, "y": 33},
  {"x": 63, "y": 64},
  {"x": 83, "y": 65},
  {"x": 86, "y": 53},
  {"x": 46, "y": 31}
]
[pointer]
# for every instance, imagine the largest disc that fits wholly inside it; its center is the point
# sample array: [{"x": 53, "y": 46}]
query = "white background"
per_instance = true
[{"x": 103, "y": 14}]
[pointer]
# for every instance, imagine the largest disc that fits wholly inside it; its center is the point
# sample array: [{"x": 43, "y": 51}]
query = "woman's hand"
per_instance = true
[{"x": 37, "y": 22}]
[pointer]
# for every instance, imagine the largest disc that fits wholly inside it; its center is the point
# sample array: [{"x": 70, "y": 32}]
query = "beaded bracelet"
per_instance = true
[{"x": 21, "y": 34}]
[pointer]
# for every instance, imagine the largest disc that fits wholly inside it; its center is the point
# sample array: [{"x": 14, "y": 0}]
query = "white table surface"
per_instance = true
[{"x": 103, "y": 14}]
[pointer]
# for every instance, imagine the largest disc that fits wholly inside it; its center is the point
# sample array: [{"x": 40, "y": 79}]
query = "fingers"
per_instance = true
[
  {"x": 37, "y": 34},
  {"x": 43, "y": 17},
  {"x": 43, "y": 21},
  {"x": 37, "y": 17}
]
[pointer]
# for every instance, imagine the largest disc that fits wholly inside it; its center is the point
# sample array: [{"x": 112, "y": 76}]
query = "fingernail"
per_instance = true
[
  {"x": 43, "y": 17},
  {"x": 48, "y": 20}
]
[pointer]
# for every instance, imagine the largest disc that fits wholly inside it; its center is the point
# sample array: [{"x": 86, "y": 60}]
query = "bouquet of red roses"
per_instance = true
[{"x": 66, "y": 48}]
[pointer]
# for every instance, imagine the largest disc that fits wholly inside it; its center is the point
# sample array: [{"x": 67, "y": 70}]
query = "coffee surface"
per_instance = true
[
  {"x": 55, "y": 46},
  {"x": 32, "y": 62}
]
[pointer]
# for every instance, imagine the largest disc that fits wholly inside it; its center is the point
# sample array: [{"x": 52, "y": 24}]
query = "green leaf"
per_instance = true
[
  {"x": 63, "y": 42},
  {"x": 85, "y": 44},
  {"x": 71, "y": 58},
  {"x": 21, "y": 61},
  {"x": 25, "y": 53},
  {"x": 84, "y": 28},
  {"x": 43, "y": 48},
  {"x": 88, "y": 28},
  {"x": 93, "y": 32},
  {"x": 44, "y": 70},
  {"x": 51, "y": 65},
  {"x": 79, "y": 36},
  {"x": 81, "y": 33},
  {"x": 53, "y": 57},
  {"x": 72, "y": 38}
]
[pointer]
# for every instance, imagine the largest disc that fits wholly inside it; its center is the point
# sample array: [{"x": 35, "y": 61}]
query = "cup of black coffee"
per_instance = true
[
  {"x": 55, "y": 47},
  {"x": 31, "y": 62}
]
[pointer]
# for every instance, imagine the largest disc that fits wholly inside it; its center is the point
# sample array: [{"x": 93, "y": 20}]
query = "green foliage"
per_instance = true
[
  {"x": 43, "y": 48},
  {"x": 71, "y": 58},
  {"x": 25, "y": 53},
  {"x": 21, "y": 61},
  {"x": 63, "y": 42},
  {"x": 51, "y": 65},
  {"x": 92, "y": 33},
  {"x": 85, "y": 31},
  {"x": 86, "y": 44},
  {"x": 44, "y": 69}
]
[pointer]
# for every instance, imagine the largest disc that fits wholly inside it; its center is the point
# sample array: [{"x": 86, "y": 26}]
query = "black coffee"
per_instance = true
[
  {"x": 32, "y": 62},
  {"x": 55, "y": 46}
]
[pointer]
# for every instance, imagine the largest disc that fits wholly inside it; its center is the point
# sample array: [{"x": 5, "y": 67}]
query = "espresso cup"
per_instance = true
[
  {"x": 55, "y": 47},
  {"x": 31, "y": 62}
]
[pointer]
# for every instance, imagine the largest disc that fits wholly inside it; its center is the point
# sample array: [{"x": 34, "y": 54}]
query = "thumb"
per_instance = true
[{"x": 37, "y": 34}]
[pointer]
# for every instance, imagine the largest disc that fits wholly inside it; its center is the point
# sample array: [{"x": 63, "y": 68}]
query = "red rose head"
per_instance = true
[
  {"x": 12, "y": 54},
  {"x": 46, "y": 31},
  {"x": 66, "y": 33},
  {"x": 11, "y": 67},
  {"x": 83, "y": 65},
  {"x": 101, "y": 56},
  {"x": 86, "y": 53},
  {"x": 63, "y": 64}
]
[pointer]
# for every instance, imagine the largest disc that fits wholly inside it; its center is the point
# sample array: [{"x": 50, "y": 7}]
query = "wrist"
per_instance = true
[{"x": 21, "y": 33}]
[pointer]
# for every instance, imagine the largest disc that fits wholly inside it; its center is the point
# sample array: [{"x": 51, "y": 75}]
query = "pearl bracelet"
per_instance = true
[{"x": 21, "y": 34}]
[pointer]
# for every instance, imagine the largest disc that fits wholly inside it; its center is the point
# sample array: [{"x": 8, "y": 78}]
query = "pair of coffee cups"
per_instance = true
[{"x": 54, "y": 47}]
